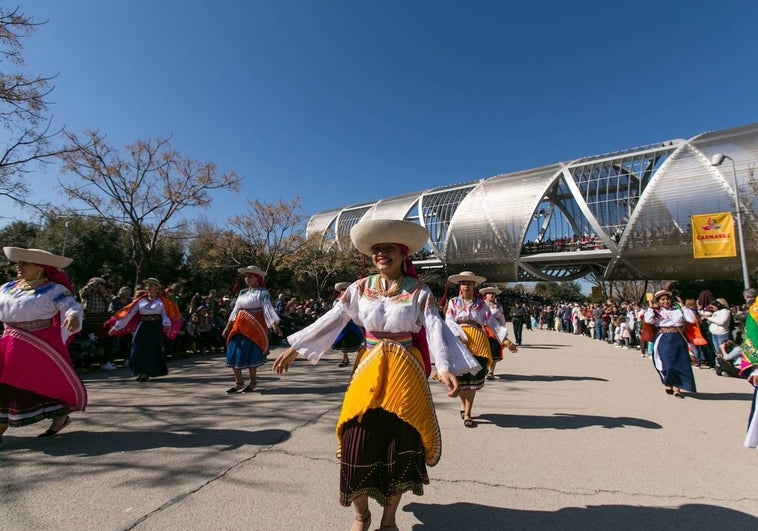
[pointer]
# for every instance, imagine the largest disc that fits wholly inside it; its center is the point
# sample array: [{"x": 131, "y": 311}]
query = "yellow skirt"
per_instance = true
[
  {"x": 478, "y": 342},
  {"x": 392, "y": 377}
]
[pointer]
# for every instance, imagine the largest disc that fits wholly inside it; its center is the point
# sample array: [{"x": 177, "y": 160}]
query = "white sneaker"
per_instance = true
[{"x": 108, "y": 367}]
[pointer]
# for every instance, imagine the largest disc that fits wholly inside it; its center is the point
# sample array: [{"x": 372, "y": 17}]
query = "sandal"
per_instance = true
[
  {"x": 669, "y": 390},
  {"x": 490, "y": 376},
  {"x": 236, "y": 389},
  {"x": 463, "y": 413},
  {"x": 365, "y": 519},
  {"x": 248, "y": 389},
  {"x": 50, "y": 432},
  {"x": 678, "y": 393},
  {"x": 469, "y": 423}
]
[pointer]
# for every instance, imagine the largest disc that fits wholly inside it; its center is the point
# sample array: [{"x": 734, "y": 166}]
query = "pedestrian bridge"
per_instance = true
[{"x": 616, "y": 216}]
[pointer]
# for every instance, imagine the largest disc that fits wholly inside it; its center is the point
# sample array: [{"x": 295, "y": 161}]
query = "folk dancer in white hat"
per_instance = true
[
  {"x": 496, "y": 346},
  {"x": 671, "y": 355},
  {"x": 388, "y": 404},
  {"x": 149, "y": 318},
  {"x": 39, "y": 314},
  {"x": 247, "y": 329},
  {"x": 467, "y": 315}
]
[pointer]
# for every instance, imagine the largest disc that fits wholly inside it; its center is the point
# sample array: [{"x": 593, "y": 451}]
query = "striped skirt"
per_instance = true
[
  {"x": 479, "y": 345},
  {"x": 388, "y": 431}
]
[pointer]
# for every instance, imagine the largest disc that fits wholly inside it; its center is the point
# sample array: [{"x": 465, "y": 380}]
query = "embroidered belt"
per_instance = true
[
  {"x": 31, "y": 326},
  {"x": 404, "y": 338},
  {"x": 670, "y": 329},
  {"x": 150, "y": 318}
]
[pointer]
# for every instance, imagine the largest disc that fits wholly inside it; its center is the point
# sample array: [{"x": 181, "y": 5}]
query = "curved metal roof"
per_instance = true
[{"x": 622, "y": 215}]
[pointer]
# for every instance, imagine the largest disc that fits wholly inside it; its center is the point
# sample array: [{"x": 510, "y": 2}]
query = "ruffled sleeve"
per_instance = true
[
  {"x": 447, "y": 352},
  {"x": 315, "y": 339}
]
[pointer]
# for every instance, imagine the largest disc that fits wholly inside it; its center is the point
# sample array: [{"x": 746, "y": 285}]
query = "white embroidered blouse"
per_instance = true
[
  {"x": 407, "y": 310},
  {"x": 255, "y": 299},
  {"x": 41, "y": 302},
  {"x": 477, "y": 311},
  {"x": 145, "y": 306}
]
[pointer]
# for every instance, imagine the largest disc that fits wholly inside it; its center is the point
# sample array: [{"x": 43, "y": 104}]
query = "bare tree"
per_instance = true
[
  {"x": 143, "y": 191},
  {"x": 271, "y": 230},
  {"x": 323, "y": 268},
  {"x": 23, "y": 112}
]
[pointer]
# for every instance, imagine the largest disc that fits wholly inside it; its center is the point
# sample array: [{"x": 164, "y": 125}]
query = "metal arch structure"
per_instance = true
[{"x": 618, "y": 216}]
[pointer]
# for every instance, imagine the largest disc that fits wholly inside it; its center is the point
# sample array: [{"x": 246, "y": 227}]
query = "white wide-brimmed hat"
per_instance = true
[
  {"x": 36, "y": 256},
  {"x": 660, "y": 293},
  {"x": 464, "y": 276},
  {"x": 341, "y": 286},
  {"x": 251, "y": 269},
  {"x": 152, "y": 280},
  {"x": 366, "y": 234},
  {"x": 491, "y": 289}
]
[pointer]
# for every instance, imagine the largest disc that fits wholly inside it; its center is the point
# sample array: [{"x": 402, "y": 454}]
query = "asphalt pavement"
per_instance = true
[{"x": 573, "y": 434}]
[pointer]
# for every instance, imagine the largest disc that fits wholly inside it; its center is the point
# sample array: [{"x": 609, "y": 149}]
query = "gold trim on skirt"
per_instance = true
[{"x": 391, "y": 377}]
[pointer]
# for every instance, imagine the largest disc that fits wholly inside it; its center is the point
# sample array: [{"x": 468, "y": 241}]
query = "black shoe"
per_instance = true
[{"x": 50, "y": 432}]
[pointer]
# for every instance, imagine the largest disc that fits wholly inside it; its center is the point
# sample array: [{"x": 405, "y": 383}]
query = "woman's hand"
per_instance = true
[
  {"x": 451, "y": 382},
  {"x": 284, "y": 360},
  {"x": 225, "y": 331},
  {"x": 71, "y": 323}
]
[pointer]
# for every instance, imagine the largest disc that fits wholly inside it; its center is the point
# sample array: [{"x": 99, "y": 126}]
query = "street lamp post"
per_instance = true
[
  {"x": 716, "y": 160},
  {"x": 65, "y": 238}
]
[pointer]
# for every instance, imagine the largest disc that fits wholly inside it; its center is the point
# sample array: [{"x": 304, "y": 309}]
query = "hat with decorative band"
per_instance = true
[
  {"x": 366, "y": 234},
  {"x": 36, "y": 256}
]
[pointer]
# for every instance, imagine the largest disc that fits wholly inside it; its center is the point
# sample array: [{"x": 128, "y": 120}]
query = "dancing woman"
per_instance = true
[
  {"x": 387, "y": 431},
  {"x": 670, "y": 353},
  {"x": 148, "y": 318},
  {"x": 247, "y": 329},
  {"x": 39, "y": 315},
  {"x": 467, "y": 316}
]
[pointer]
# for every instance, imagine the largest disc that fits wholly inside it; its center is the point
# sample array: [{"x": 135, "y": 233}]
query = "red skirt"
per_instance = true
[{"x": 37, "y": 378}]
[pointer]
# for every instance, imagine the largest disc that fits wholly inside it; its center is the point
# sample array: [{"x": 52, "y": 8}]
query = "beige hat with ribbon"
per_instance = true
[
  {"x": 366, "y": 234},
  {"x": 464, "y": 276},
  {"x": 341, "y": 286},
  {"x": 36, "y": 256},
  {"x": 251, "y": 269},
  {"x": 490, "y": 289}
]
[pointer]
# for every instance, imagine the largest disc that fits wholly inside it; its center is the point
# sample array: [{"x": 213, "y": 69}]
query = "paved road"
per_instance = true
[{"x": 575, "y": 434}]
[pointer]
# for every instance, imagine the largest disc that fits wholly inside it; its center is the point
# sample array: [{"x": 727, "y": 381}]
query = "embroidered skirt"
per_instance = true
[
  {"x": 37, "y": 379},
  {"x": 247, "y": 343},
  {"x": 387, "y": 431},
  {"x": 479, "y": 345}
]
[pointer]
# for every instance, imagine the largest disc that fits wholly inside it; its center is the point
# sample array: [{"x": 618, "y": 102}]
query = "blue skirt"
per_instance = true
[
  {"x": 242, "y": 353},
  {"x": 147, "y": 355},
  {"x": 671, "y": 358},
  {"x": 350, "y": 339}
]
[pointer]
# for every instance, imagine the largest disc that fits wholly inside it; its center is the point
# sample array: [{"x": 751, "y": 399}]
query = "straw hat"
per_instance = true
[
  {"x": 95, "y": 280},
  {"x": 464, "y": 276},
  {"x": 152, "y": 280},
  {"x": 491, "y": 289},
  {"x": 251, "y": 269},
  {"x": 658, "y": 294},
  {"x": 341, "y": 286},
  {"x": 723, "y": 302},
  {"x": 36, "y": 256},
  {"x": 366, "y": 234}
]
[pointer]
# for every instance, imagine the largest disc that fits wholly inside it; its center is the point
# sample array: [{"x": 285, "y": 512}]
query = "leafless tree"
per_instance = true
[
  {"x": 271, "y": 230},
  {"x": 143, "y": 190},
  {"x": 28, "y": 134}
]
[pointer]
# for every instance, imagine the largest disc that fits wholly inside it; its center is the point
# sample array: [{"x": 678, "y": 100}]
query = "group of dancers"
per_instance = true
[{"x": 387, "y": 431}]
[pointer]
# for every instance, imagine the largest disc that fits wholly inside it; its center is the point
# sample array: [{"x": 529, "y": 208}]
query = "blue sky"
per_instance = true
[{"x": 343, "y": 102}]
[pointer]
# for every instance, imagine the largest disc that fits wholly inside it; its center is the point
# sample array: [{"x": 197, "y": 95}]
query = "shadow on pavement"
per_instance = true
[
  {"x": 474, "y": 517},
  {"x": 747, "y": 397},
  {"x": 547, "y": 378},
  {"x": 564, "y": 421},
  {"x": 83, "y": 443}
]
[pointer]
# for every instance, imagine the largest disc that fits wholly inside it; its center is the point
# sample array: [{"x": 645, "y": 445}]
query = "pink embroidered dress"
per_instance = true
[{"x": 37, "y": 378}]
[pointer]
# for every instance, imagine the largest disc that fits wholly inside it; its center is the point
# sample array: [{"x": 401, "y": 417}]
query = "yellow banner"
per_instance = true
[{"x": 713, "y": 235}]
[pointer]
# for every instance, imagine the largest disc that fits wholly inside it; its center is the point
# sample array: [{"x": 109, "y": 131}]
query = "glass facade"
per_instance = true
[{"x": 620, "y": 216}]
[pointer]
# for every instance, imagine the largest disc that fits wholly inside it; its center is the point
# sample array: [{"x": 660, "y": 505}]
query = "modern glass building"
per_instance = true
[{"x": 619, "y": 216}]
